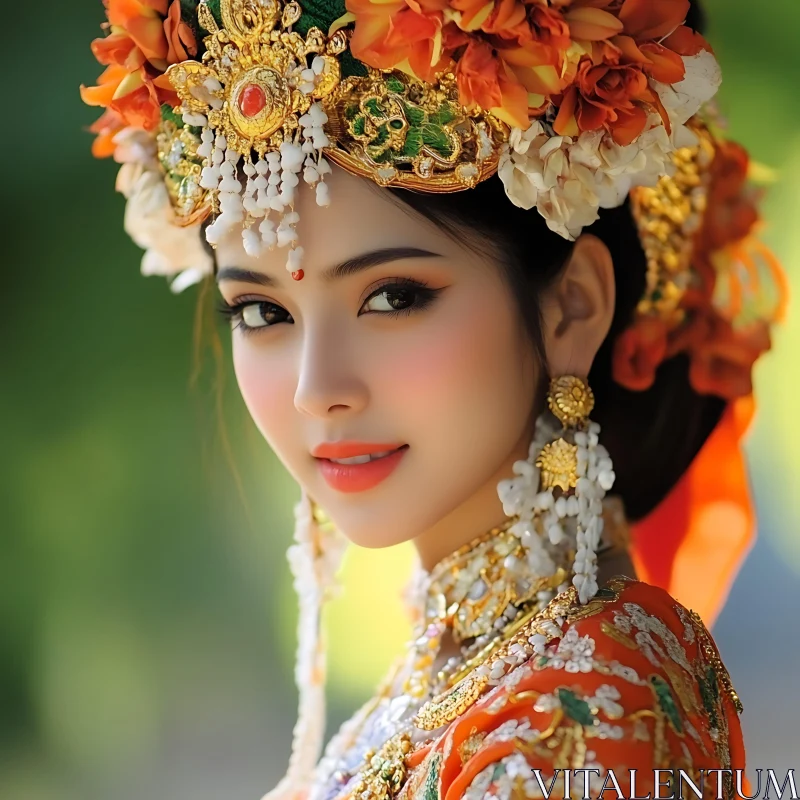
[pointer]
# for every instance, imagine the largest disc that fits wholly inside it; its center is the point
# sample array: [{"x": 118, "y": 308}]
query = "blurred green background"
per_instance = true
[{"x": 146, "y": 612}]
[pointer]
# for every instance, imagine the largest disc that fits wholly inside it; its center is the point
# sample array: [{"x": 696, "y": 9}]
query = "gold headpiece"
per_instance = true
[{"x": 247, "y": 99}]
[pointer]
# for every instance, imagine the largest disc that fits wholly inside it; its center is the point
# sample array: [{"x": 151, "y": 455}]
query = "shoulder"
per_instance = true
[{"x": 630, "y": 681}]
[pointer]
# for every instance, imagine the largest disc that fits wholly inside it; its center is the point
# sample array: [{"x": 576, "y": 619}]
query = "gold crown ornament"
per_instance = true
[
  {"x": 270, "y": 103},
  {"x": 249, "y": 99},
  {"x": 256, "y": 93}
]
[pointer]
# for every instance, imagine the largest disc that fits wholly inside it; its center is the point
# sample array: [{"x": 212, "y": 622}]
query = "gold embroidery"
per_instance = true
[
  {"x": 709, "y": 651},
  {"x": 683, "y": 688},
  {"x": 451, "y": 704},
  {"x": 470, "y": 746},
  {"x": 618, "y": 636},
  {"x": 385, "y": 771}
]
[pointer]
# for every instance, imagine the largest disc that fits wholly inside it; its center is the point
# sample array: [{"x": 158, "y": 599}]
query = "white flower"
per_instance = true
[
  {"x": 149, "y": 217},
  {"x": 682, "y": 100},
  {"x": 569, "y": 179}
]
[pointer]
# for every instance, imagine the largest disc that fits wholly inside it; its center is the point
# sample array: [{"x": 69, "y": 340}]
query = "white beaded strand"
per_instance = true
[
  {"x": 269, "y": 185},
  {"x": 549, "y": 526}
]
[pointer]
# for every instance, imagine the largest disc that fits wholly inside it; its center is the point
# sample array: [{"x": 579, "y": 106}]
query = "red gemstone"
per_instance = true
[
  {"x": 298, "y": 274},
  {"x": 252, "y": 100}
]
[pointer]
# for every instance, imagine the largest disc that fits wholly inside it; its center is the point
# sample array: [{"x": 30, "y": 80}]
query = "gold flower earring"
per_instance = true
[{"x": 558, "y": 491}]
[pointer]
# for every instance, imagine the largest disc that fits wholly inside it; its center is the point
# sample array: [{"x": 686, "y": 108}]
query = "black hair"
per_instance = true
[{"x": 652, "y": 435}]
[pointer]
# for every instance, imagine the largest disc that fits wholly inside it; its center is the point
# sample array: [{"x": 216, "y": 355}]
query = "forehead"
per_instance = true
[{"x": 362, "y": 217}]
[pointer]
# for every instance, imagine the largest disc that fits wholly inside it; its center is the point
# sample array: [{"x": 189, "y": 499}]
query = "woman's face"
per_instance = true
[{"x": 397, "y": 335}]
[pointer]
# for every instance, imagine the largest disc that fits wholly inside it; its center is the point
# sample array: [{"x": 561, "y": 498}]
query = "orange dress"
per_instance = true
[{"x": 635, "y": 683}]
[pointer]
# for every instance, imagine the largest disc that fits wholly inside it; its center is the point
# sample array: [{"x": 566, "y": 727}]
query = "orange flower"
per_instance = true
[
  {"x": 605, "y": 96},
  {"x": 731, "y": 212},
  {"x": 133, "y": 96},
  {"x": 638, "y": 352},
  {"x": 142, "y": 22},
  {"x": 686, "y": 42},
  {"x": 652, "y": 19},
  {"x": 180, "y": 39},
  {"x": 722, "y": 364},
  {"x": 591, "y": 24},
  {"x": 146, "y": 36},
  {"x": 488, "y": 82},
  {"x": 399, "y": 34},
  {"x": 491, "y": 16},
  {"x": 593, "y": 58},
  {"x": 106, "y": 128}
]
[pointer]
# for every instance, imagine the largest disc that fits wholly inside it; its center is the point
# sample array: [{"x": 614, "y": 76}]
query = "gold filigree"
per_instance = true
[
  {"x": 558, "y": 463},
  {"x": 385, "y": 771},
  {"x": 668, "y": 216},
  {"x": 709, "y": 651},
  {"x": 398, "y": 131},
  {"x": 570, "y": 399},
  {"x": 452, "y": 703},
  {"x": 471, "y": 745},
  {"x": 248, "y": 84},
  {"x": 177, "y": 154}
]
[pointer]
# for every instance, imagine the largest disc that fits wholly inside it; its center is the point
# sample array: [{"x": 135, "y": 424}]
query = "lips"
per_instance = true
[
  {"x": 358, "y": 477},
  {"x": 348, "y": 449}
]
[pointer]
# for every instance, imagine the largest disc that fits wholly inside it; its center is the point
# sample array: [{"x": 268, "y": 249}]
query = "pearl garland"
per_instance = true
[
  {"x": 271, "y": 182},
  {"x": 548, "y": 526}
]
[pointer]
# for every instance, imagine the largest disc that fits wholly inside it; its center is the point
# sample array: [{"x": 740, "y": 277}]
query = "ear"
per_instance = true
[{"x": 578, "y": 309}]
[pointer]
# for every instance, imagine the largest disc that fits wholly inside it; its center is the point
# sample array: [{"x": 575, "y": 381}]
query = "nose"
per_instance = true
[{"x": 329, "y": 379}]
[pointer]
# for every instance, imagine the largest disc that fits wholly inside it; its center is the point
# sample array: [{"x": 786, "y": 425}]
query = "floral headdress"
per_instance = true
[{"x": 221, "y": 110}]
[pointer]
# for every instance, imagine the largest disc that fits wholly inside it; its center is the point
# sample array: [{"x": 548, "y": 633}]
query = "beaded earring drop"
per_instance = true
[
  {"x": 558, "y": 491},
  {"x": 314, "y": 558}
]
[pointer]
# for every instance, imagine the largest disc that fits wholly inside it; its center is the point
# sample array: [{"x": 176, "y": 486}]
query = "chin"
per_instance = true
[{"x": 373, "y": 526}]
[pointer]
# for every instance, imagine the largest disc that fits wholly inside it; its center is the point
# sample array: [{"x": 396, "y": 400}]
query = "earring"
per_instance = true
[
  {"x": 314, "y": 559},
  {"x": 558, "y": 491}
]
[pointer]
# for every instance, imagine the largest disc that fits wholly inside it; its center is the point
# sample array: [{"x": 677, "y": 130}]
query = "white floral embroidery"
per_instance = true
[
  {"x": 547, "y": 702},
  {"x": 502, "y": 780},
  {"x": 605, "y": 730},
  {"x": 574, "y": 653},
  {"x": 513, "y": 729},
  {"x": 515, "y": 676},
  {"x": 625, "y": 672},
  {"x": 497, "y": 705},
  {"x": 648, "y": 623},
  {"x": 622, "y": 623},
  {"x": 605, "y": 699},
  {"x": 650, "y": 648}
]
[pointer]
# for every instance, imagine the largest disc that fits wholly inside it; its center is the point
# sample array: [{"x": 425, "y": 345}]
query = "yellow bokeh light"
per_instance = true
[
  {"x": 370, "y": 610},
  {"x": 776, "y": 435}
]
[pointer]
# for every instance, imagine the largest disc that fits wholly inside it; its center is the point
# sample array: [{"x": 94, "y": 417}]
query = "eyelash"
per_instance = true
[{"x": 424, "y": 294}]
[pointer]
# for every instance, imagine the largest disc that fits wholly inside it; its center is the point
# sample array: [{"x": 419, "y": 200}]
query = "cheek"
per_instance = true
[
  {"x": 267, "y": 385},
  {"x": 469, "y": 364}
]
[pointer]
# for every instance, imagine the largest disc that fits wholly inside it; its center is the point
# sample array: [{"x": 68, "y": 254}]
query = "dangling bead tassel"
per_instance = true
[
  {"x": 566, "y": 457},
  {"x": 581, "y": 467},
  {"x": 314, "y": 559}
]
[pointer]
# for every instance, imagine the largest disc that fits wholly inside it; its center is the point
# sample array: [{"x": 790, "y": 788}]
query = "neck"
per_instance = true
[{"x": 481, "y": 512}]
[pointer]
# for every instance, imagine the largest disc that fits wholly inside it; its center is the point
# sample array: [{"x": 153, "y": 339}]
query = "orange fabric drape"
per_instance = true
[{"x": 695, "y": 541}]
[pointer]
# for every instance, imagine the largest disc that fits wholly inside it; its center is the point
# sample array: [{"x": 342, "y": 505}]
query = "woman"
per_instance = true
[{"x": 493, "y": 288}]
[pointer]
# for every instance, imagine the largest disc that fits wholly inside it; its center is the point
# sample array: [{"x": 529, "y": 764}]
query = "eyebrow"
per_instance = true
[{"x": 349, "y": 267}]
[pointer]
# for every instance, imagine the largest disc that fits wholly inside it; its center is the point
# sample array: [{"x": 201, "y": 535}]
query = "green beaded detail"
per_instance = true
[
  {"x": 666, "y": 702},
  {"x": 392, "y": 128},
  {"x": 575, "y": 708},
  {"x": 431, "y": 789}
]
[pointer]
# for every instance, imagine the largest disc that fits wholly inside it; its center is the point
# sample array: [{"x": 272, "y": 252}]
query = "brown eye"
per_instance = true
[
  {"x": 391, "y": 299},
  {"x": 400, "y": 296},
  {"x": 263, "y": 314}
]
